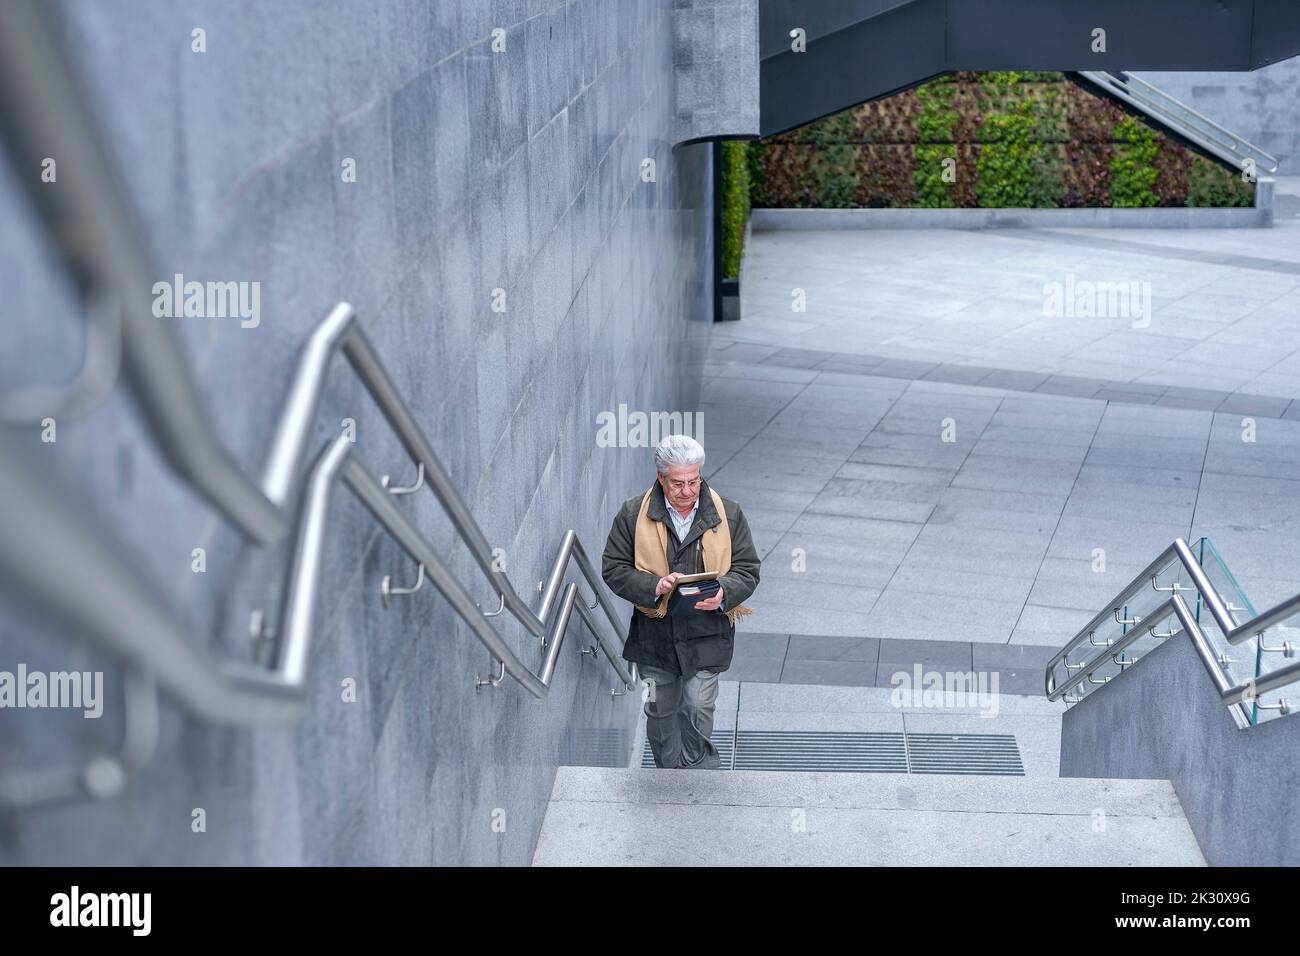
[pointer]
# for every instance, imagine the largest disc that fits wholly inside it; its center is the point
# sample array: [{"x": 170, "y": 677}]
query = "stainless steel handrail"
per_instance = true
[
  {"x": 1232, "y": 695},
  {"x": 298, "y": 616},
  {"x": 43, "y": 114},
  {"x": 45, "y": 543},
  {"x": 100, "y": 364},
  {"x": 1178, "y": 553},
  {"x": 1155, "y": 102},
  {"x": 340, "y": 331},
  {"x": 1163, "y": 101},
  {"x": 103, "y": 775}
]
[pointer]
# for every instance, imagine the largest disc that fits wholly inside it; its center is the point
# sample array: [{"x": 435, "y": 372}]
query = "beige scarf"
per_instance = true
[{"x": 650, "y": 552}]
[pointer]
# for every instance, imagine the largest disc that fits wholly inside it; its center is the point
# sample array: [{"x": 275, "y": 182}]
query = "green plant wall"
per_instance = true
[
  {"x": 998, "y": 139},
  {"x": 735, "y": 205}
]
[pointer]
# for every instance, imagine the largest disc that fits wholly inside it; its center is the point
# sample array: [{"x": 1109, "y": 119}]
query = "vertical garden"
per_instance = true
[{"x": 972, "y": 140}]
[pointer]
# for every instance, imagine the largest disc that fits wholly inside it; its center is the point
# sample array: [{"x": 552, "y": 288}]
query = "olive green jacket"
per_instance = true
[{"x": 680, "y": 645}]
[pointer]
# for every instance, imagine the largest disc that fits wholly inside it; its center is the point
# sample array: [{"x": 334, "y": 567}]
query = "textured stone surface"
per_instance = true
[
  {"x": 1261, "y": 215},
  {"x": 1262, "y": 106},
  {"x": 1072, "y": 434},
  {"x": 715, "y": 56},
  {"x": 755, "y": 817},
  {"x": 1163, "y": 718},
  {"x": 476, "y": 170},
  {"x": 874, "y": 529}
]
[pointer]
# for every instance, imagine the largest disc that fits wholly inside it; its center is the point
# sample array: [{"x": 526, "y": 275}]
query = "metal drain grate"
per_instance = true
[
  {"x": 844, "y": 752},
  {"x": 817, "y": 750},
  {"x": 991, "y": 754}
]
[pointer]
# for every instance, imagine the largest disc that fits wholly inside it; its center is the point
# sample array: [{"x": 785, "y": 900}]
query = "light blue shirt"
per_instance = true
[{"x": 682, "y": 525}]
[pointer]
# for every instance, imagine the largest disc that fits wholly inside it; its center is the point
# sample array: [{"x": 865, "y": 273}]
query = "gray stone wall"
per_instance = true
[
  {"x": 1262, "y": 106},
  {"x": 715, "y": 50},
  {"x": 520, "y": 170}
]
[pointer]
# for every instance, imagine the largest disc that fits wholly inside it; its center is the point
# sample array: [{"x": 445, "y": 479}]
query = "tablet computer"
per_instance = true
[
  {"x": 687, "y": 593},
  {"x": 696, "y": 578}
]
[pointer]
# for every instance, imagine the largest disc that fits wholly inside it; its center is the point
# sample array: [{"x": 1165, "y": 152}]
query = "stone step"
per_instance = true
[{"x": 634, "y": 817}]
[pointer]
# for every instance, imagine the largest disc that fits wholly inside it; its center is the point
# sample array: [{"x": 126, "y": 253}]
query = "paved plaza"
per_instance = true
[{"x": 923, "y": 456}]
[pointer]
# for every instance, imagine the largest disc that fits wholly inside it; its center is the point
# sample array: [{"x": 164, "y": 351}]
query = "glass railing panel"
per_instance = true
[
  {"x": 1279, "y": 647},
  {"x": 1217, "y": 570},
  {"x": 1237, "y": 663},
  {"x": 1123, "y": 639},
  {"x": 1097, "y": 652},
  {"x": 1137, "y": 621},
  {"x": 1117, "y": 645},
  {"x": 1136, "y": 618},
  {"x": 1102, "y": 667},
  {"x": 1242, "y": 660}
]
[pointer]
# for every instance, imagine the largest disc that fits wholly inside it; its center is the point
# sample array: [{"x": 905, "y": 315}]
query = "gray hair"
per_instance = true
[{"x": 676, "y": 450}]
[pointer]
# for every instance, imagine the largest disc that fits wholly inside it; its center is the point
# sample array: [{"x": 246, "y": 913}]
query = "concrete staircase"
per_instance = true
[{"x": 601, "y": 816}]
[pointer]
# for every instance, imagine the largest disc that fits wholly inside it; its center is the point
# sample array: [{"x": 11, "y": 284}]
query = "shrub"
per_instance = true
[{"x": 735, "y": 204}]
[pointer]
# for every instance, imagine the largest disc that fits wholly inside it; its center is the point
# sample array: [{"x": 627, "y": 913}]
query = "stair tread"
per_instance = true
[
  {"x": 865, "y": 790},
  {"x": 616, "y": 816}
]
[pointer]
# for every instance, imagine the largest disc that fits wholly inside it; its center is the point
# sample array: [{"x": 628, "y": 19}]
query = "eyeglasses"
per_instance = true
[{"x": 684, "y": 485}]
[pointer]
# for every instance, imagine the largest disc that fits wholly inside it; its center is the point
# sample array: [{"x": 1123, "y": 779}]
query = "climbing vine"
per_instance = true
[{"x": 735, "y": 204}]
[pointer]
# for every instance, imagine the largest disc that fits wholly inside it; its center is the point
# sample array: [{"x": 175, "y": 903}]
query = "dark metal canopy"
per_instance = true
[{"x": 861, "y": 50}]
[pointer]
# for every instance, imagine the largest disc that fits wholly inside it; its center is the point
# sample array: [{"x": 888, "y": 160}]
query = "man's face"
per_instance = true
[{"x": 681, "y": 486}]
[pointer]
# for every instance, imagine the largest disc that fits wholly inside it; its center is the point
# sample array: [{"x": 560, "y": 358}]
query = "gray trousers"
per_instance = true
[{"x": 679, "y": 718}]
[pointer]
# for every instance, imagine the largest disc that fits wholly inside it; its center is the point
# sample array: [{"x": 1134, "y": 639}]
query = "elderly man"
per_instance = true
[{"x": 680, "y": 526}]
